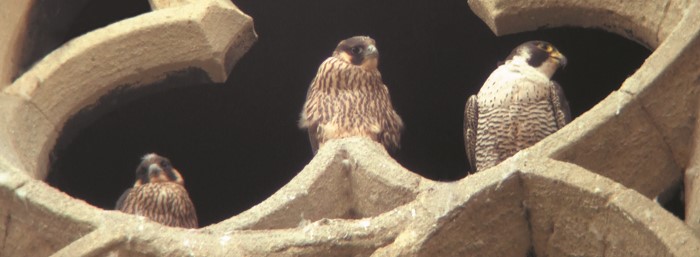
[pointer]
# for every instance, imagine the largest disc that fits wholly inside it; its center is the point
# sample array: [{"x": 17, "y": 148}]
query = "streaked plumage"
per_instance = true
[
  {"x": 348, "y": 98},
  {"x": 517, "y": 106},
  {"x": 159, "y": 194}
]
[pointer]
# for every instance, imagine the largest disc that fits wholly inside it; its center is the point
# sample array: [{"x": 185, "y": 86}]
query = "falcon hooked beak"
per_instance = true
[
  {"x": 156, "y": 173},
  {"x": 557, "y": 56},
  {"x": 155, "y": 169},
  {"x": 371, "y": 52},
  {"x": 553, "y": 53}
]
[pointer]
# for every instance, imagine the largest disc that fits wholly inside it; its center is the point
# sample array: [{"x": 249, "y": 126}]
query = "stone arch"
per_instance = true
[
  {"x": 648, "y": 22},
  {"x": 48, "y": 94}
]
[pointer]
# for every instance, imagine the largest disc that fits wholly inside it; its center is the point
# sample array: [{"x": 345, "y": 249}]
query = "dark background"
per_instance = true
[{"x": 237, "y": 143}]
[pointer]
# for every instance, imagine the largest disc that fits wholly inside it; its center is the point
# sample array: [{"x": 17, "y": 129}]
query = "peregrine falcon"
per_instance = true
[
  {"x": 517, "y": 106},
  {"x": 159, "y": 194},
  {"x": 348, "y": 98}
]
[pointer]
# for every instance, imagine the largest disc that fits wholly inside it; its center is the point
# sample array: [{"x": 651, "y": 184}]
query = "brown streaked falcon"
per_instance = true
[
  {"x": 348, "y": 98},
  {"x": 517, "y": 106},
  {"x": 159, "y": 194}
]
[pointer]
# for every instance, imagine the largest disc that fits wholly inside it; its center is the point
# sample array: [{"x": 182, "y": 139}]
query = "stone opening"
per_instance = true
[
  {"x": 72, "y": 98},
  {"x": 433, "y": 56},
  {"x": 240, "y": 139},
  {"x": 203, "y": 128}
]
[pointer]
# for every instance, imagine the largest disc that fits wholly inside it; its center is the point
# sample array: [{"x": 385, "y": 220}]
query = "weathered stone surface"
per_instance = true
[
  {"x": 340, "y": 182},
  {"x": 584, "y": 191},
  {"x": 14, "y": 15},
  {"x": 37, "y": 220},
  {"x": 488, "y": 222},
  {"x": 646, "y": 125},
  {"x": 691, "y": 184},
  {"x": 648, "y": 22},
  {"x": 577, "y": 213},
  {"x": 618, "y": 139},
  {"x": 668, "y": 85},
  {"x": 24, "y": 135}
]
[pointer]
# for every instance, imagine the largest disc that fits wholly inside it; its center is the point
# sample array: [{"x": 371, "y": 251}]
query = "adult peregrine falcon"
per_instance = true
[
  {"x": 348, "y": 98},
  {"x": 159, "y": 194},
  {"x": 517, "y": 106}
]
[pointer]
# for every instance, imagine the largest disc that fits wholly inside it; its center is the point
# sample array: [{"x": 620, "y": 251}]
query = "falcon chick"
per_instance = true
[
  {"x": 159, "y": 194},
  {"x": 517, "y": 106},
  {"x": 348, "y": 98}
]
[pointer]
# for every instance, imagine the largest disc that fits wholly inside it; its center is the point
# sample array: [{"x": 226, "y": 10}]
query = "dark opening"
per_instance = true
[{"x": 237, "y": 143}]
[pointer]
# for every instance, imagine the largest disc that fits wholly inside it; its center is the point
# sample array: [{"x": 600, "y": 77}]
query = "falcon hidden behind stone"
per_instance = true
[
  {"x": 159, "y": 194},
  {"x": 348, "y": 98},
  {"x": 517, "y": 106}
]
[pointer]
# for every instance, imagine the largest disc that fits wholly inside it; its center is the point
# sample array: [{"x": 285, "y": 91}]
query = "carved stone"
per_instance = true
[{"x": 586, "y": 190}]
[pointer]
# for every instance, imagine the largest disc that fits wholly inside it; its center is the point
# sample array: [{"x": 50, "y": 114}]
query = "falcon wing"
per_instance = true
[
  {"x": 471, "y": 118},
  {"x": 391, "y": 123},
  {"x": 313, "y": 136},
  {"x": 311, "y": 127},
  {"x": 120, "y": 202},
  {"x": 560, "y": 105}
]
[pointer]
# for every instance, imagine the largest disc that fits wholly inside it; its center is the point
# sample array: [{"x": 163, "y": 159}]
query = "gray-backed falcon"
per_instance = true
[
  {"x": 517, "y": 106},
  {"x": 348, "y": 98},
  {"x": 159, "y": 194}
]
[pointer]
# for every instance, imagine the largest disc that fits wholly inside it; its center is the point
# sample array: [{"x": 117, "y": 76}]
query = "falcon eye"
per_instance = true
[
  {"x": 545, "y": 46},
  {"x": 356, "y": 50}
]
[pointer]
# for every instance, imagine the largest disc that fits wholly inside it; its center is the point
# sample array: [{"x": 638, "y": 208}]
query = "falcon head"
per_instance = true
[
  {"x": 359, "y": 50},
  {"x": 156, "y": 169},
  {"x": 541, "y": 55}
]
